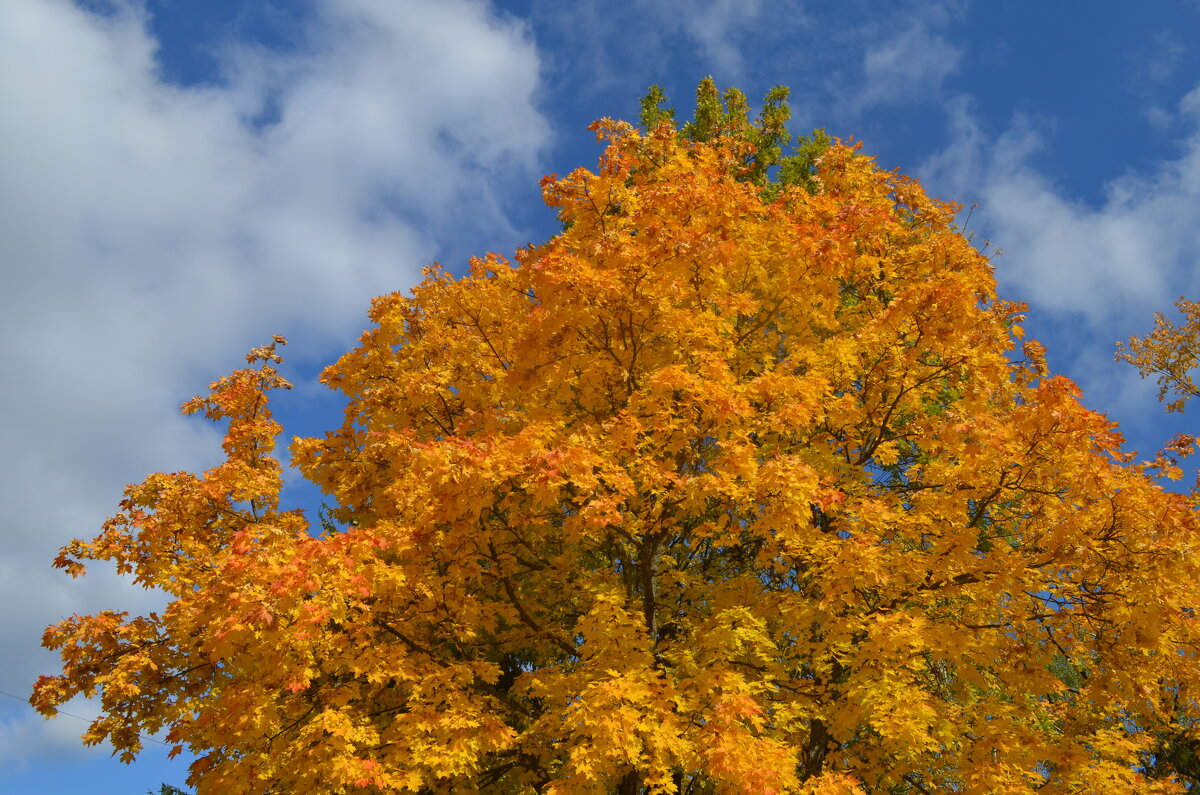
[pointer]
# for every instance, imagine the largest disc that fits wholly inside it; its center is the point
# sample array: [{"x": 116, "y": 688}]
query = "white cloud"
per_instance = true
[
  {"x": 151, "y": 232},
  {"x": 909, "y": 66},
  {"x": 29, "y": 738},
  {"x": 1126, "y": 256},
  {"x": 1190, "y": 104},
  {"x": 719, "y": 29},
  {"x": 623, "y": 47}
]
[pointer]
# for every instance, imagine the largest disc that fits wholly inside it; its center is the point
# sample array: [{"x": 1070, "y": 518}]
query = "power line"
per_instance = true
[{"x": 76, "y": 717}]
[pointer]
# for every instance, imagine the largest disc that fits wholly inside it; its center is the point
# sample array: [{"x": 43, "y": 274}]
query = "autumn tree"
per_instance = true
[{"x": 739, "y": 484}]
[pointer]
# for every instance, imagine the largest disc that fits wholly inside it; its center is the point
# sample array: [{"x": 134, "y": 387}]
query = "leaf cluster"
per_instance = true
[
  {"x": 1171, "y": 353},
  {"x": 761, "y": 143}
]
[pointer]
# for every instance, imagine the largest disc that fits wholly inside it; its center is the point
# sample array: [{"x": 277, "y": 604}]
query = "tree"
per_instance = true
[{"x": 736, "y": 485}]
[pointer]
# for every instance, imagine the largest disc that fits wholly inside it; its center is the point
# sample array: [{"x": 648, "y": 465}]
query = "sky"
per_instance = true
[{"x": 182, "y": 180}]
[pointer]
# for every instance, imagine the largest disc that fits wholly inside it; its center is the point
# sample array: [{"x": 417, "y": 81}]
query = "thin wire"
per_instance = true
[{"x": 76, "y": 717}]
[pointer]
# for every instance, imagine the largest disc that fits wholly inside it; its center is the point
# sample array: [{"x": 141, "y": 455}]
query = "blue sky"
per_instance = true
[{"x": 182, "y": 180}]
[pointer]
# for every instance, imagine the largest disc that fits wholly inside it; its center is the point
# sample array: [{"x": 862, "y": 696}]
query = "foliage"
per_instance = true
[
  {"x": 1171, "y": 352},
  {"x": 759, "y": 145},
  {"x": 721, "y": 490}
]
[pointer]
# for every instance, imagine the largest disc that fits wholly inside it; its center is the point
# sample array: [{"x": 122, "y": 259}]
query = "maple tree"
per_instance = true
[{"x": 738, "y": 484}]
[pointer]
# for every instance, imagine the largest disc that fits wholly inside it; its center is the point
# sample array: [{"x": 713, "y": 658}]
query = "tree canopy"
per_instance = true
[{"x": 744, "y": 483}]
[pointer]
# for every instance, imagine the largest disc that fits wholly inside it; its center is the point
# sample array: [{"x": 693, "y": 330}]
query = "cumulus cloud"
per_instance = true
[{"x": 150, "y": 232}]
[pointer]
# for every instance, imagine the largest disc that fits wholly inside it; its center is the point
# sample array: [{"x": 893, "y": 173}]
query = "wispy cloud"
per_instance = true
[
  {"x": 622, "y": 47},
  {"x": 720, "y": 29},
  {"x": 27, "y": 738},
  {"x": 905, "y": 68}
]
